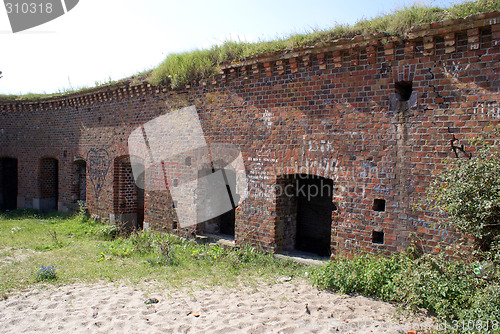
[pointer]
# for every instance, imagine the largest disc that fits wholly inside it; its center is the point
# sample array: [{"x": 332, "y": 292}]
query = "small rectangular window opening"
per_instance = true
[
  {"x": 378, "y": 237},
  {"x": 378, "y": 204}
]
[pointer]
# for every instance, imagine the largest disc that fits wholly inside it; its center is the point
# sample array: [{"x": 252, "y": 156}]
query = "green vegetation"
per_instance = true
[
  {"x": 181, "y": 69},
  {"x": 455, "y": 291},
  {"x": 46, "y": 273},
  {"x": 469, "y": 193},
  {"x": 79, "y": 249},
  {"x": 464, "y": 291}
]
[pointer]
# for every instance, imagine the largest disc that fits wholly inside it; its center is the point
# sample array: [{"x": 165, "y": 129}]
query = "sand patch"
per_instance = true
[
  {"x": 11, "y": 255},
  {"x": 287, "y": 307}
]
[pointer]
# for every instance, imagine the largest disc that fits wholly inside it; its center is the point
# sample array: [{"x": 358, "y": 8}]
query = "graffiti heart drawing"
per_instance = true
[
  {"x": 28, "y": 14},
  {"x": 97, "y": 168}
]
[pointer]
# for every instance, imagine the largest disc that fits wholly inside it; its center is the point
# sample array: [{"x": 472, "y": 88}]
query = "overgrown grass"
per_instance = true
[
  {"x": 83, "y": 250},
  {"x": 181, "y": 69}
]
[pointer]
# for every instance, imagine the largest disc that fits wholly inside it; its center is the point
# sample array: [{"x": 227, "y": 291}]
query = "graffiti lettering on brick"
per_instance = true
[
  {"x": 319, "y": 146},
  {"x": 97, "y": 168},
  {"x": 488, "y": 109},
  {"x": 267, "y": 117},
  {"x": 454, "y": 68}
]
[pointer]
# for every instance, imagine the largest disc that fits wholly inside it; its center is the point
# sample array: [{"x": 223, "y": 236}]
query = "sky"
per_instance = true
[{"x": 102, "y": 40}]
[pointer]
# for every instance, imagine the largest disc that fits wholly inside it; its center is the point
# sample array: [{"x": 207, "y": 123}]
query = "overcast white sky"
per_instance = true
[{"x": 111, "y": 39}]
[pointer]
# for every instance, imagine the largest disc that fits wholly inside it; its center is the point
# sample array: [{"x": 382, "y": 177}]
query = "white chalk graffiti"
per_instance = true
[
  {"x": 267, "y": 117},
  {"x": 454, "y": 68},
  {"x": 318, "y": 146},
  {"x": 488, "y": 109},
  {"x": 351, "y": 244}
]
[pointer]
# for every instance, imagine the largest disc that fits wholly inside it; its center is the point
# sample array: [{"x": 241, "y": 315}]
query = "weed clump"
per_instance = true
[
  {"x": 45, "y": 273},
  {"x": 452, "y": 290}
]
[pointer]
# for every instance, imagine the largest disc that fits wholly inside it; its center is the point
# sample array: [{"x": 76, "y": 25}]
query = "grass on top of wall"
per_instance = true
[{"x": 181, "y": 69}]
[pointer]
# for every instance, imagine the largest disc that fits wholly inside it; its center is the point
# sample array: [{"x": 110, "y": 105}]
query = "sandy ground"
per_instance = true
[
  {"x": 286, "y": 307},
  {"x": 16, "y": 255}
]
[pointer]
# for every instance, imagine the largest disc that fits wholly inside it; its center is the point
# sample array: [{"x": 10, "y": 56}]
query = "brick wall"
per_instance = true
[{"x": 376, "y": 115}]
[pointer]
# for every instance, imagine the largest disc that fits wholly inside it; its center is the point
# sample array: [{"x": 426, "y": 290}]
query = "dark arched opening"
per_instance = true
[{"x": 8, "y": 184}]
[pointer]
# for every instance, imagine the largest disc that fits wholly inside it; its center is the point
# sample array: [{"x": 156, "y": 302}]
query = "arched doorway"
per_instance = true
[
  {"x": 8, "y": 184},
  {"x": 223, "y": 224}
]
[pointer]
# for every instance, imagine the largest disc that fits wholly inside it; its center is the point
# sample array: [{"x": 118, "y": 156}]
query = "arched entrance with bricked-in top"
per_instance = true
[
  {"x": 128, "y": 198},
  {"x": 48, "y": 185},
  {"x": 79, "y": 188}
]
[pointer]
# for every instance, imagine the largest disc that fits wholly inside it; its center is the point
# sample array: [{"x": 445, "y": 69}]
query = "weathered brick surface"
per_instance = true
[{"x": 334, "y": 111}]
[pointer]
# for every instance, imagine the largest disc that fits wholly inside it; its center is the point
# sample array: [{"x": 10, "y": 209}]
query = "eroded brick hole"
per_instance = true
[
  {"x": 8, "y": 184},
  {"x": 304, "y": 210},
  {"x": 403, "y": 90},
  {"x": 379, "y": 204}
]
